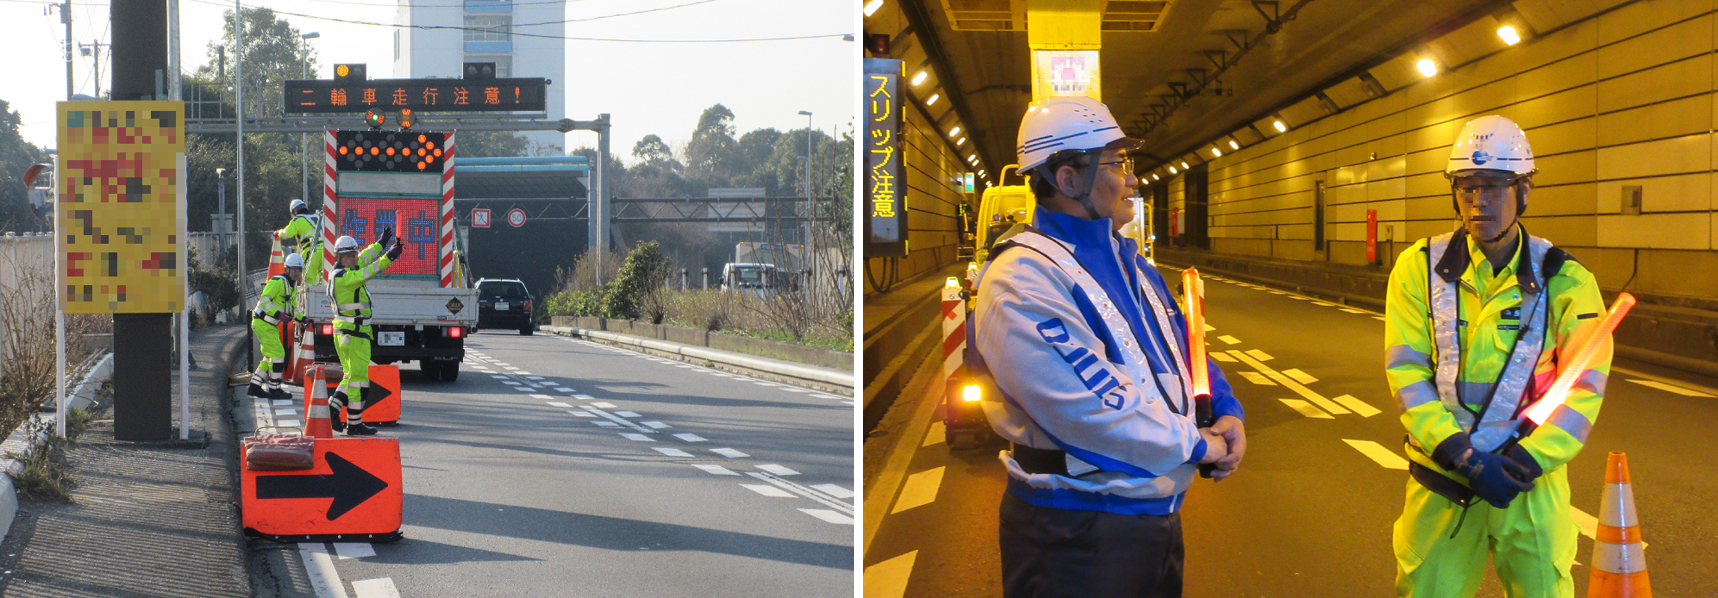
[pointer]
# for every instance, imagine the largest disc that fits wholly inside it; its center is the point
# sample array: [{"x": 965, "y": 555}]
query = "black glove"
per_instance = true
[
  {"x": 387, "y": 237},
  {"x": 394, "y": 252},
  {"x": 1496, "y": 478},
  {"x": 1521, "y": 457}
]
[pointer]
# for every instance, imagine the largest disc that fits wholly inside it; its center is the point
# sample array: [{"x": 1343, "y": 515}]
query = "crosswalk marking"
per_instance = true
[
  {"x": 1376, "y": 452},
  {"x": 768, "y": 490},
  {"x": 561, "y": 405},
  {"x": 545, "y": 397},
  {"x": 920, "y": 489},
  {"x": 603, "y": 405},
  {"x": 626, "y": 414},
  {"x": 583, "y": 413},
  {"x": 1363, "y": 408},
  {"x": 888, "y": 579},
  {"x": 606, "y": 424},
  {"x": 1299, "y": 376},
  {"x": 1306, "y": 409}
]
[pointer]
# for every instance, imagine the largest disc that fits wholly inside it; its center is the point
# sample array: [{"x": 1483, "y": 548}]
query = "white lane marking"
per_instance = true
[
  {"x": 510, "y": 382},
  {"x": 507, "y": 366},
  {"x": 777, "y": 469},
  {"x": 1229, "y": 340},
  {"x": 847, "y": 402},
  {"x": 1221, "y": 356},
  {"x": 324, "y": 580},
  {"x": 1299, "y": 376},
  {"x": 526, "y": 388},
  {"x": 1378, "y": 318},
  {"x": 689, "y": 437},
  {"x": 618, "y": 420},
  {"x": 1376, "y": 452},
  {"x": 534, "y": 377},
  {"x": 920, "y": 489},
  {"x": 289, "y": 423},
  {"x": 730, "y": 453},
  {"x": 1306, "y": 409},
  {"x": 638, "y": 437},
  {"x": 765, "y": 384},
  {"x": 606, "y": 424},
  {"x": 376, "y": 588},
  {"x": 823, "y": 396},
  {"x": 603, "y": 405},
  {"x": 791, "y": 389},
  {"x": 563, "y": 389},
  {"x": 768, "y": 490},
  {"x": 655, "y": 425},
  {"x": 1352, "y": 310},
  {"x": 1616, "y": 370},
  {"x": 498, "y": 376},
  {"x": 1298, "y": 298},
  {"x": 888, "y": 579},
  {"x": 820, "y": 497},
  {"x": 1669, "y": 388},
  {"x": 1363, "y": 408},
  {"x": 672, "y": 452},
  {"x": 354, "y": 550},
  {"x": 1303, "y": 391},
  {"x": 829, "y": 516},
  {"x": 1257, "y": 378},
  {"x": 544, "y": 397},
  {"x": 285, "y": 402},
  {"x": 522, "y": 373},
  {"x": 561, "y": 405},
  {"x": 1259, "y": 355},
  {"x": 583, "y": 397},
  {"x": 714, "y": 469},
  {"x": 280, "y": 412},
  {"x": 583, "y": 413},
  {"x": 626, "y": 414},
  {"x": 834, "y": 490},
  {"x": 937, "y": 434}
]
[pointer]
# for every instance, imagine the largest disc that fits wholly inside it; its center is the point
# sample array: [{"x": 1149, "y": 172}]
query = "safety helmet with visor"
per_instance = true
[{"x": 1061, "y": 128}]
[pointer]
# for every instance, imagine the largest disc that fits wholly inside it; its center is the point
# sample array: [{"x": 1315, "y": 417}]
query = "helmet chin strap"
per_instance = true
[
  {"x": 1520, "y": 206},
  {"x": 1085, "y": 197}
]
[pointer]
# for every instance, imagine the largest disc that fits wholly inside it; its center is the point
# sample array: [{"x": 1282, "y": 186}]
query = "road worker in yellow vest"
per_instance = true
[
  {"x": 273, "y": 310},
  {"x": 298, "y": 234},
  {"x": 352, "y": 332},
  {"x": 1477, "y": 321}
]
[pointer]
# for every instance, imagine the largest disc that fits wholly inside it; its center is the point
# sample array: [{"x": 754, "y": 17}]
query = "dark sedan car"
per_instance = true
[{"x": 504, "y": 304}]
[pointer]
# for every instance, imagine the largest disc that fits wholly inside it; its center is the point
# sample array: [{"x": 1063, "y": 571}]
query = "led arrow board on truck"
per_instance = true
[{"x": 389, "y": 151}]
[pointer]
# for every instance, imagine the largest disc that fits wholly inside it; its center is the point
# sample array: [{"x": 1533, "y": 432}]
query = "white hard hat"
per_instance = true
[
  {"x": 1491, "y": 143},
  {"x": 299, "y": 207},
  {"x": 346, "y": 245},
  {"x": 1066, "y": 123},
  {"x": 295, "y": 261}
]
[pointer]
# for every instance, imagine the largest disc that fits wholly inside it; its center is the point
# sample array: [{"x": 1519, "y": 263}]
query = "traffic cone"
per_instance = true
[
  {"x": 1619, "y": 559},
  {"x": 316, "y": 422}
]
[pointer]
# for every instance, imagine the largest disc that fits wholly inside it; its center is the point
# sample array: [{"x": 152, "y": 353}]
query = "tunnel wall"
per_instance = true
[{"x": 1621, "y": 98}]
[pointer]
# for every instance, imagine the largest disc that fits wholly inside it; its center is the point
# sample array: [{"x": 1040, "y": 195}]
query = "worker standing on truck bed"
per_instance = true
[{"x": 352, "y": 331}]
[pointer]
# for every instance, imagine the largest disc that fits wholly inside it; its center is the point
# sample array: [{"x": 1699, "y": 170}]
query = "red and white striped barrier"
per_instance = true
[
  {"x": 445, "y": 255},
  {"x": 954, "y": 330}
]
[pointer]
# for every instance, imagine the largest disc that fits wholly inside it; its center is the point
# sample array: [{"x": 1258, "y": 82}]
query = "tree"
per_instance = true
[
  {"x": 273, "y": 53},
  {"x": 652, "y": 150},
  {"x": 712, "y": 152},
  {"x": 489, "y": 144},
  {"x": 16, "y": 155}
]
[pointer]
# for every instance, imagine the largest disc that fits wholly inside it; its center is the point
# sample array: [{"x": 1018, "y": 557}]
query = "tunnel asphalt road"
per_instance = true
[
  {"x": 559, "y": 467},
  {"x": 1309, "y": 513}
]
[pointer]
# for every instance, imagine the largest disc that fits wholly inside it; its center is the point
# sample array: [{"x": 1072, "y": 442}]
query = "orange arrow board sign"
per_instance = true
[{"x": 353, "y": 492}]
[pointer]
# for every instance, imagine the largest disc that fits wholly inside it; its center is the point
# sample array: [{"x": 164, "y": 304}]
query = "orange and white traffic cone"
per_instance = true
[
  {"x": 1619, "y": 558},
  {"x": 316, "y": 422}
]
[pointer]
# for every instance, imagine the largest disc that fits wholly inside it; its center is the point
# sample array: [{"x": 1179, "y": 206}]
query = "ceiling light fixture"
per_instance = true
[
  {"x": 1427, "y": 67},
  {"x": 1509, "y": 35}
]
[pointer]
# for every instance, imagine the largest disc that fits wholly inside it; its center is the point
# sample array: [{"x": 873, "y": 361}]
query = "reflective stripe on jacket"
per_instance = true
[
  {"x": 275, "y": 300},
  {"x": 351, "y": 301},
  {"x": 1487, "y": 309},
  {"x": 298, "y": 235},
  {"x": 1078, "y": 373}
]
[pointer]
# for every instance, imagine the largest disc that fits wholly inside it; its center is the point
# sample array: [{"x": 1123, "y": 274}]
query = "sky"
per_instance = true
[{"x": 646, "y": 88}]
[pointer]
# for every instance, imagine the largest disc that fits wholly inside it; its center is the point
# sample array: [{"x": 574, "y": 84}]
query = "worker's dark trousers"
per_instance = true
[{"x": 1054, "y": 553}]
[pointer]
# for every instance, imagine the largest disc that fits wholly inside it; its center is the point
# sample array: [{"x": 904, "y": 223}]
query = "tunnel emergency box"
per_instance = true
[
  {"x": 423, "y": 305},
  {"x": 352, "y": 493}
]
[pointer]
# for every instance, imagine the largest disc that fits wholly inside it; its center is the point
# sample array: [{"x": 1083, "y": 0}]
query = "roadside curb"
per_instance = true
[
  {"x": 17, "y": 443},
  {"x": 820, "y": 378}
]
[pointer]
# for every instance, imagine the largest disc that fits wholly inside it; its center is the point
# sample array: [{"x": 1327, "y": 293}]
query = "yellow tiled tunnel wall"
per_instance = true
[
  {"x": 1624, "y": 98},
  {"x": 933, "y": 199}
]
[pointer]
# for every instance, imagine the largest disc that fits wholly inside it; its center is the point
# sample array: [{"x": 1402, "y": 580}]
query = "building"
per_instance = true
[{"x": 492, "y": 33}]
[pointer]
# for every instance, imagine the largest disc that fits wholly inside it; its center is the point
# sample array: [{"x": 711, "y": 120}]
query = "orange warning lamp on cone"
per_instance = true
[{"x": 1619, "y": 555}]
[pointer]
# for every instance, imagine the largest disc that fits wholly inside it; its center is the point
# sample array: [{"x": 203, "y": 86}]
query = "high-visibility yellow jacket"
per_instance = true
[
  {"x": 346, "y": 291},
  {"x": 299, "y": 235},
  {"x": 275, "y": 303},
  {"x": 1491, "y": 314}
]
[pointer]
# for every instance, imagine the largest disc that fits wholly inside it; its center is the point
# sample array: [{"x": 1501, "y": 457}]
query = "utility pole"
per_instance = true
[
  {"x": 811, "y": 227},
  {"x": 94, "y": 49},
  {"x": 66, "y": 17},
  {"x": 239, "y": 84},
  {"x": 304, "y": 138}
]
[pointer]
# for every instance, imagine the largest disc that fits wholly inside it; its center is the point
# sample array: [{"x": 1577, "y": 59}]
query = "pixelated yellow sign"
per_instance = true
[{"x": 120, "y": 216}]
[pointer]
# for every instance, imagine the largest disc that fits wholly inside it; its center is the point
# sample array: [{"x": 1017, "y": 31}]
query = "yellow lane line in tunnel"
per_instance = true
[
  {"x": 888, "y": 579},
  {"x": 920, "y": 489},
  {"x": 1317, "y": 399}
]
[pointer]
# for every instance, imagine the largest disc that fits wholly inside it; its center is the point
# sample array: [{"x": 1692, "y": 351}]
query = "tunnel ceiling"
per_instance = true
[{"x": 1325, "y": 42}]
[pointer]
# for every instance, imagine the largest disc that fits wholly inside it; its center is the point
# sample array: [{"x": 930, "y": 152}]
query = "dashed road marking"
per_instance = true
[
  {"x": 1363, "y": 408},
  {"x": 1377, "y": 453},
  {"x": 522, "y": 373},
  {"x": 834, "y": 490},
  {"x": 937, "y": 434},
  {"x": 672, "y": 452},
  {"x": 1221, "y": 356},
  {"x": 730, "y": 453},
  {"x": 284, "y": 402},
  {"x": 583, "y": 413},
  {"x": 1257, "y": 378},
  {"x": 1229, "y": 340},
  {"x": 583, "y": 397},
  {"x": 689, "y": 437},
  {"x": 1352, "y": 310},
  {"x": 354, "y": 550},
  {"x": 920, "y": 489},
  {"x": 829, "y": 516},
  {"x": 561, "y": 405},
  {"x": 1259, "y": 355},
  {"x": 606, "y": 424},
  {"x": 280, "y": 412},
  {"x": 498, "y": 376},
  {"x": 768, "y": 490},
  {"x": 563, "y": 389},
  {"x": 319, "y": 567},
  {"x": 1299, "y": 376},
  {"x": 1303, "y": 391},
  {"x": 544, "y": 397},
  {"x": 654, "y": 425},
  {"x": 777, "y": 469},
  {"x": 888, "y": 579},
  {"x": 1378, "y": 318},
  {"x": 617, "y": 419},
  {"x": 626, "y": 414},
  {"x": 1669, "y": 388},
  {"x": 533, "y": 377},
  {"x": 1306, "y": 409},
  {"x": 714, "y": 469},
  {"x": 510, "y": 382},
  {"x": 1588, "y": 524},
  {"x": 376, "y": 588},
  {"x": 820, "y": 497},
  {"x": 604, "y": 405},
  {"x": 637, "y": 437}
]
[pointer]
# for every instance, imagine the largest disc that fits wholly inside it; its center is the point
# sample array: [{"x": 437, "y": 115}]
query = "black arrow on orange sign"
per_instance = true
[{"x": 348, "y": 484}]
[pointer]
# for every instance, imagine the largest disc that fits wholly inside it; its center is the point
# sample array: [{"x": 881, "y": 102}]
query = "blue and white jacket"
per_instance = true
[{"x": 1071, "y": 327}]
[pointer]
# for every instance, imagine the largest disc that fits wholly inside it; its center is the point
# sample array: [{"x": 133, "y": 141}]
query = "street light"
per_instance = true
[
  {"x": 304, "y": 138},
  {"x": 810, "y": 203}
]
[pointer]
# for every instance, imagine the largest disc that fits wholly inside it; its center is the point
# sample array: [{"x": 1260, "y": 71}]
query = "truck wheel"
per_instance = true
[
  {"x": 450, "y": 371},
  {"x": 527, "y": 329},
  {"x": 428, "y": 368}
]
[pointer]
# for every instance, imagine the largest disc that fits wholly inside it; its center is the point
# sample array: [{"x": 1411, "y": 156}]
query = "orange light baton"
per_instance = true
[
  {"x": 1559, "y": 391},
  {"x": 1198, "y": 371}
]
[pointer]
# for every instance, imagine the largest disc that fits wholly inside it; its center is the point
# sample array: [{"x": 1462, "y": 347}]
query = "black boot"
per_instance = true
[
  {"x": 359, "y": 429},
  {"x": 336, "y": 420},
  {"x": 279, "y": 394},
  {"x": 257, "y": 391}
]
